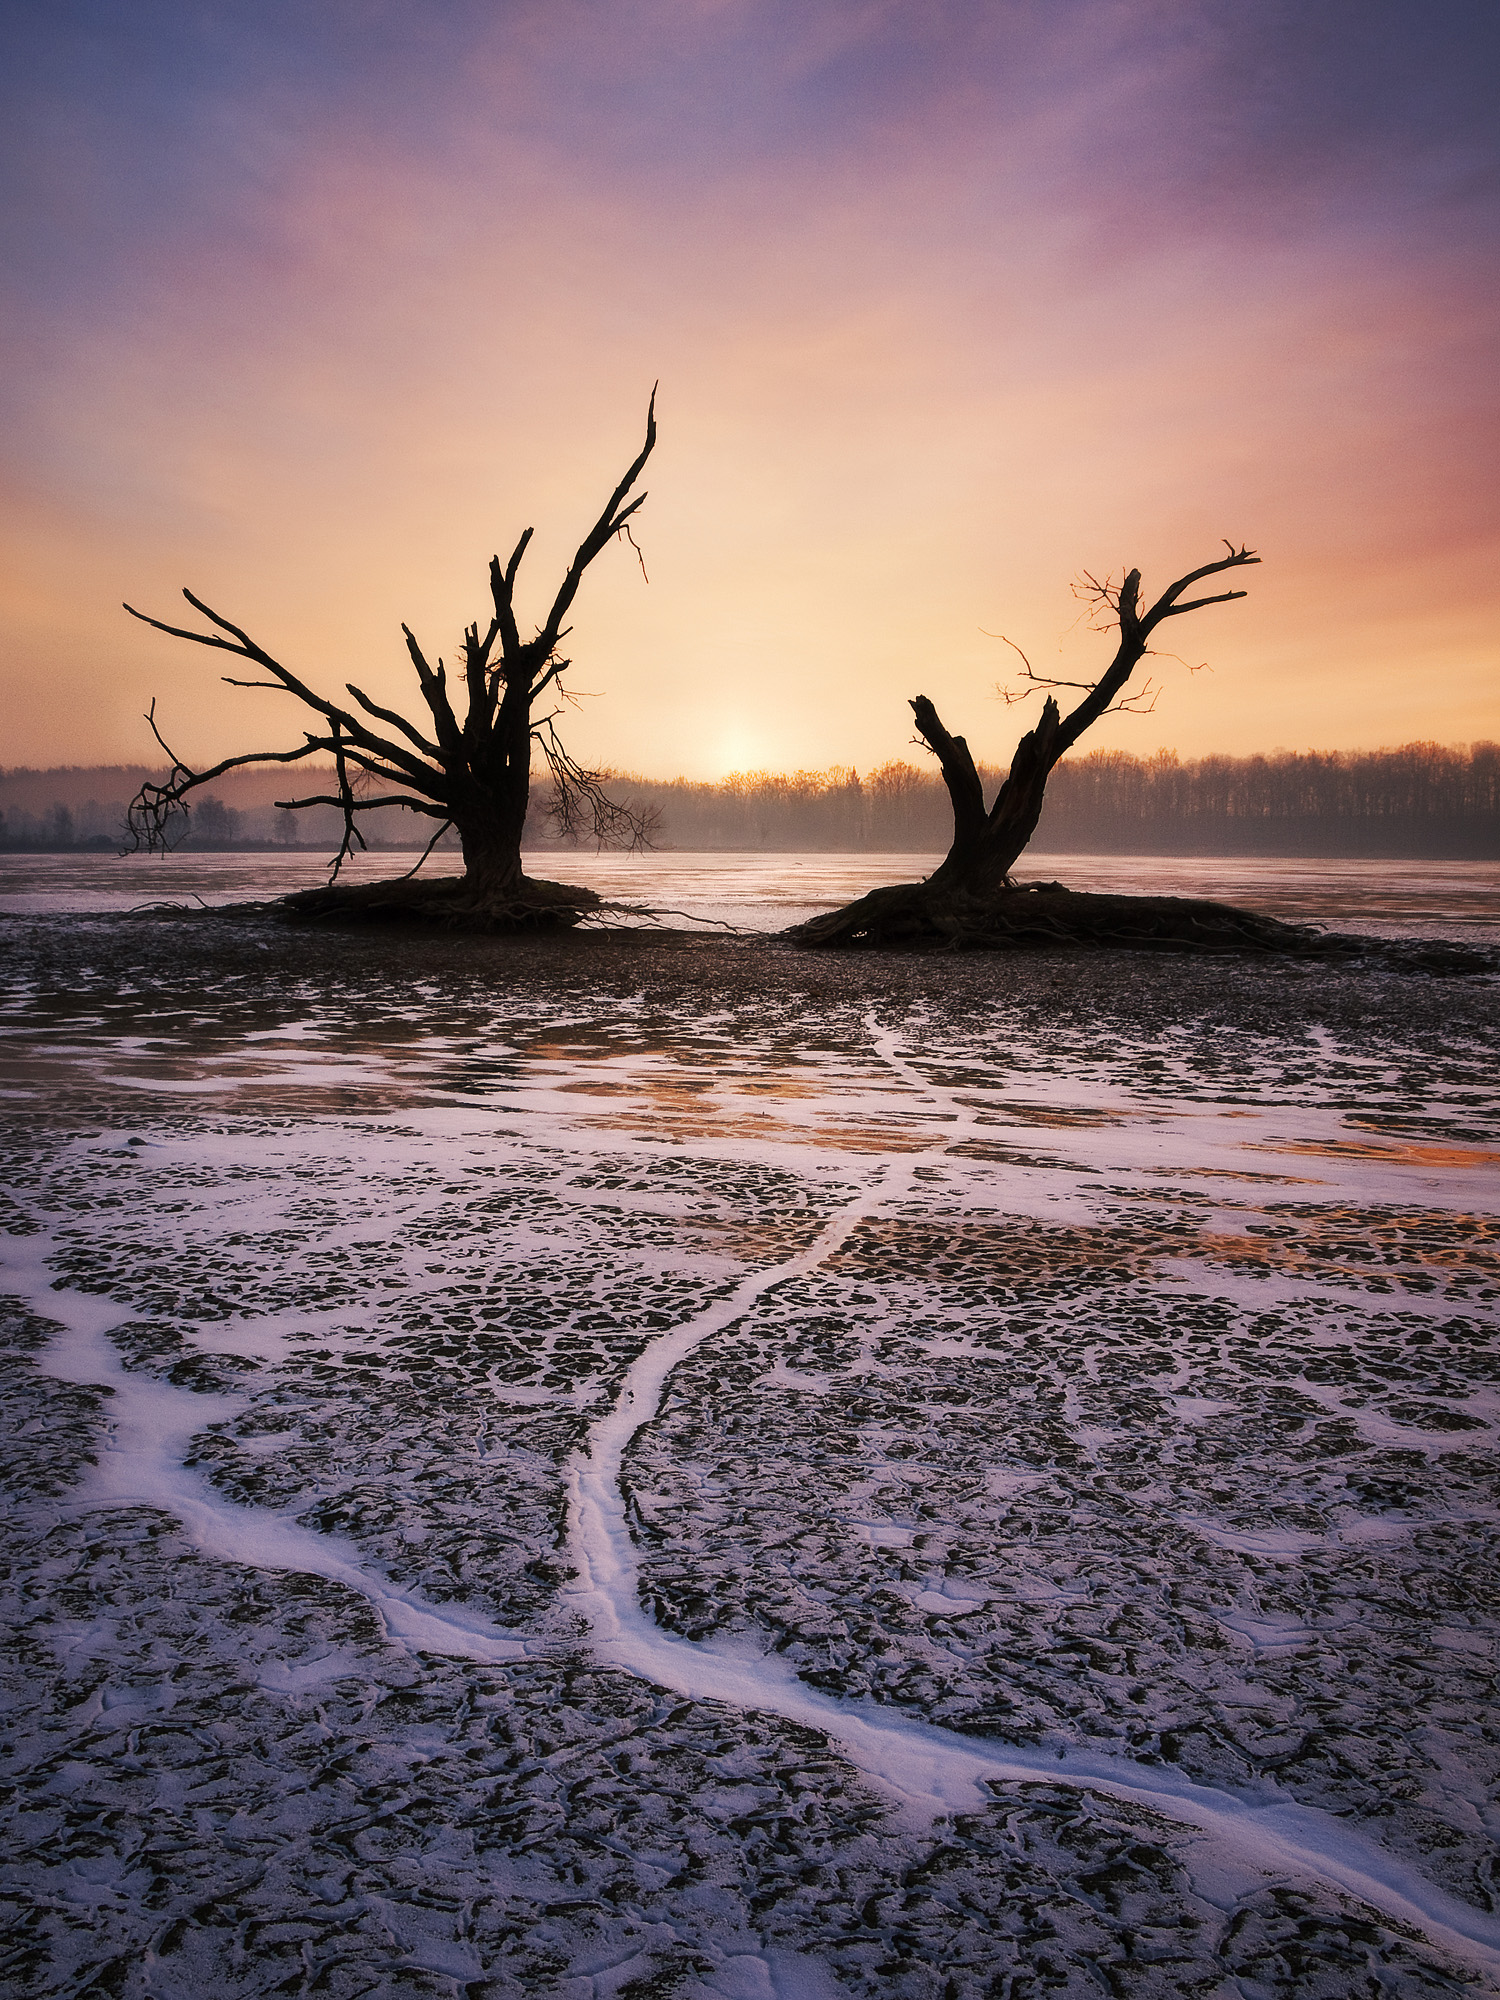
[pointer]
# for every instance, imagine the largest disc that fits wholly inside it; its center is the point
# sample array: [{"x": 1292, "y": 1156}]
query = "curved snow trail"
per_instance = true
[
  {"x": 140, "y": 1464},
  {"x": 932, "y": 1771},
  {"x": 1243, "y": 1840}
]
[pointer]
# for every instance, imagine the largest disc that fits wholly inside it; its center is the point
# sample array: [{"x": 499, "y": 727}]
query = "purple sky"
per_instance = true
[{"x": 314, "y": 306}]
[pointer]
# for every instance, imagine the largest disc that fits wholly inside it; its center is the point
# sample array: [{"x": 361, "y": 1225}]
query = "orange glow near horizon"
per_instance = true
[{"x": 910, "y": 388}]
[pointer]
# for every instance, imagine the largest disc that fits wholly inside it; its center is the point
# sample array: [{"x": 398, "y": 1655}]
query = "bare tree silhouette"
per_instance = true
[
  {"x": 471, "y": 774},
  {"x": 962, "y": 901}
]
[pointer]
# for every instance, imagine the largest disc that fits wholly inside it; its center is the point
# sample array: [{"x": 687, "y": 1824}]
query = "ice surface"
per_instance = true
[
  {"x": 768, "y": 891},
  {"x": 747, "y": 1495}
]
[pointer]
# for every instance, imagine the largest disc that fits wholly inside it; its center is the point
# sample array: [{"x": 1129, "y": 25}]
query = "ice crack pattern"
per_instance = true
[{"x": 750, "y": 1495}]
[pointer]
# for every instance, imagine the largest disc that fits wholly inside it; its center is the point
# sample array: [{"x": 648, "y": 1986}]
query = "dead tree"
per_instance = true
[
  {"x": 470, "y": 773},
  {"x": 965, "y": 900}
]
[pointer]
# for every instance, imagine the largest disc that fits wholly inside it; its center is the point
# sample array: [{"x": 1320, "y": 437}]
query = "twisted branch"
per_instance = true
[{"x": 463, "y": 770}]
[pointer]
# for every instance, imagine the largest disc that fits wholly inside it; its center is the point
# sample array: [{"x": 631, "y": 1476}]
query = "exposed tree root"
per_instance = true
[
  {"x": 1040, "y": 917},
  {"x": 1048, "y": 915},
  {"x": 445, "y": 903}
]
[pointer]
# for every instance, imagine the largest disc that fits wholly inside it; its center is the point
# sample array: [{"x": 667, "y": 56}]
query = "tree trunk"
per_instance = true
[
  {"x": 987, "y": 845},
  {"x": 487, "y": 800},
  {"x": 493, "y": 894},
  {"x": 496, "y": 892},
  {"x": 971, "y": 899},
  {"x": 488, "y": 789},
  {"x": 492, "y": 858},
  {"x": 473, "y": 774},
  {"x": 957, "y": 902}
]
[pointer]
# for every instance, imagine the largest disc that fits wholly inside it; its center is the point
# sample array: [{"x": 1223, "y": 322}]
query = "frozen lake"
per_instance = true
[
  {"x": 1441, "y": 899},
  {"x": 614, "y": 1468}
]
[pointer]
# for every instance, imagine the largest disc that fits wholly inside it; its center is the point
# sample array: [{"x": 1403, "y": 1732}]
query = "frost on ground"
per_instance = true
[{"x": 1091, "y": 1357}]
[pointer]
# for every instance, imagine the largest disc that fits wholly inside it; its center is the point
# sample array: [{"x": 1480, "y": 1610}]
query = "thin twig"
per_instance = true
[
  {"x": 624, "y": 529},
  {"x": 447, "y": 823}
]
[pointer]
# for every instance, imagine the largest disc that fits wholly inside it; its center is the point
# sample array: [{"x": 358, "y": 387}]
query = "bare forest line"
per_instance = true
[{"x": 1422, "y": 800}]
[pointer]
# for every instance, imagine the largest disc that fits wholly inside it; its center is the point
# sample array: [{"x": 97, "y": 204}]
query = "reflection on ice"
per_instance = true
[{"x": 771, "y": 891}]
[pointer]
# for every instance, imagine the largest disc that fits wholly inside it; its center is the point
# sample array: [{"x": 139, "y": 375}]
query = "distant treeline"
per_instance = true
[
  {"x": 83, "y": 807},
  {"x": 1422, "y": 800}
]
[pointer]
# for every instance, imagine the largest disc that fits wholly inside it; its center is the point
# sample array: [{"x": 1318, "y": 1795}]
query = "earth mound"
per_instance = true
[{"x": 446, "y": 903}]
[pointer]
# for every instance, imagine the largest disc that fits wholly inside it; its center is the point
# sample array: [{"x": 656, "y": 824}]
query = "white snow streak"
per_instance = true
[
  {"x": 931, "y": 1772},
  {"x": 141, "y": 1465},
  {"x": 934, "y": 1772}
]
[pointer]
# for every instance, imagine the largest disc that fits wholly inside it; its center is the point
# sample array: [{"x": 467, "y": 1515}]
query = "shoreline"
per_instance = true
[{"x": 1134, "y": 984}]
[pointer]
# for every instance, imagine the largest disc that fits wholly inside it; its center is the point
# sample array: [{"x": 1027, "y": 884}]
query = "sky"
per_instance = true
[{"x": 312, "y": 305}]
